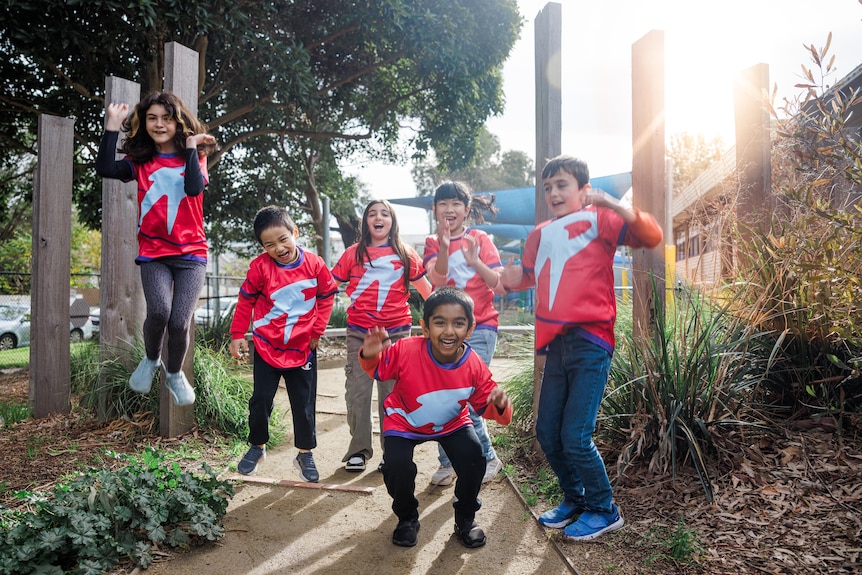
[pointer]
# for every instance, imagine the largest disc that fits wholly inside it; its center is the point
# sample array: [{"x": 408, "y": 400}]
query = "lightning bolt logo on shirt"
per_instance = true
[
  {"x": 291, "y": 301},
  {"x": 384, "y": 274},
  {"x": 459, "y": 270},
  {"x": 562, "y": 239},
  {"x": 166, "y": 182}
]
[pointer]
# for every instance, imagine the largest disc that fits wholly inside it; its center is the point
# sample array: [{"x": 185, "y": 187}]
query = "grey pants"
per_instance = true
[{"x": 358, "y": 390}]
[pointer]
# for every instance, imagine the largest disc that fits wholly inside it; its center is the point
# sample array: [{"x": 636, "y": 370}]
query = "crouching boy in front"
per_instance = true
[{"x": 436, "y": 376}]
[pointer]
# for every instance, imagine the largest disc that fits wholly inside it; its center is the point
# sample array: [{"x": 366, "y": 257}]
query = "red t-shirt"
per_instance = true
[
  {"x": 170, "y": 223},
  {"x": 467, "y": 278},
  {"x": 290, "y": 304},
  {"x": 429, "y": 398},
  {"x": 570, "y": 261},
  {"x": 376, "y": 288}
]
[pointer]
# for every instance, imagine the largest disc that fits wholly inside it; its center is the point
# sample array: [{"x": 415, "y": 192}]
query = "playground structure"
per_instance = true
[{"x": 121, "y": 296}]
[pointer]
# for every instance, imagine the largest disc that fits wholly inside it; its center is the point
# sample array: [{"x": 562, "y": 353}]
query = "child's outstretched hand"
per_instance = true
[
  {"x": 376, "y": 340},
  {"x": 499, "y": 399},
  {"x": 239, "y": 348},
  {"x": 512, "y": 274},
  {"x": 470, "y": 249},
  {"x": 115, "y": 114},
  {"x": 443, "y": 235}
]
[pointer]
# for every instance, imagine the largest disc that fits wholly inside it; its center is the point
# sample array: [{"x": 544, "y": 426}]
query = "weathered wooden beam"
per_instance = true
[{"x": 50, "y": 361}]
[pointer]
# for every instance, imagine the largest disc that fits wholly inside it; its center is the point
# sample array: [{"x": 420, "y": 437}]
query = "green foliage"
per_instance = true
[
  {"x": 519, "y": 388},
  {"x": 339, "y": 314},
  {"x": 801, "y": 283},
  {"x": 544, "y": 486},
  {"x": 692, "y": 155},
  {"x": 15, "y": 255},
  {"x": 222, "y": 390},
  {"x": 97, "y": 520},
  {"x": 215, "y": 334},
  {"x": 490, "y": 169},
  {"x": 668, "y": 397},
  {"x": 680, "y": 544},
  {"x": 321, "y": 82},
  {"x": 12, "y": 412}
]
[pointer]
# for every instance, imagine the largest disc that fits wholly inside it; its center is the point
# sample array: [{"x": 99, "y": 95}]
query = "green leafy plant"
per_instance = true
[
  {"x": 97, "y": 520},
  {"x": 667, "y": 396},
  {"x": 13, "y": 412},
  {"x": 680, "y": 544}
]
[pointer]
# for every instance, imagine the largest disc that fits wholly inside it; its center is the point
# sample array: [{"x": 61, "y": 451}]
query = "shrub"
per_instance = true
[{"x": 94, "y": 522}]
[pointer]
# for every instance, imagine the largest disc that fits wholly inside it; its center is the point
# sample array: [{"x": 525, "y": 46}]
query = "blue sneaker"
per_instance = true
[
  {"x": 562, "y": 514},
  {"x": 248, "y": 464},
  {"x": 307, "y": 469},
  {"x": 181, "y": 390},
  {"x": 142, "y": 378},
  {"x": 591, "y": 524}
]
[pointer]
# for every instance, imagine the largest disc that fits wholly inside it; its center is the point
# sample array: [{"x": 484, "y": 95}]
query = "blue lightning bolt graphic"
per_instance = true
[
  {"x": 557, "y": 246},
  {"x": 166, "y": 182},
  {"x": 437, "y": 407},
  {"x": 291, "y": 301},
  {"x": 384, "y": 274}
]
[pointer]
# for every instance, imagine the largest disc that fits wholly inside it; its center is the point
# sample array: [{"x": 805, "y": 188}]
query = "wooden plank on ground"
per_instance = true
[{"x": 304, "y": 484}]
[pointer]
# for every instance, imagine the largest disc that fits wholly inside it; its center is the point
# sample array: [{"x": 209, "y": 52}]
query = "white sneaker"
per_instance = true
[
  {"x": 180, "y": 388},
  {"x": 445, "y": 475},
  {"x": 492, "y": 469},
  {"x": 142, "y": 378}
]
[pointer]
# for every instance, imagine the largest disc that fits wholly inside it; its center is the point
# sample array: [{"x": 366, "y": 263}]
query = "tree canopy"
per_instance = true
[{"x": 287, "y": 88}]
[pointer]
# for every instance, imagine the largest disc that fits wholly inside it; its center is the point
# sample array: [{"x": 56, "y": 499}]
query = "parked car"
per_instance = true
[
  {"x": 206, "y": 314},
  {"x": 94, "y": 319},
  {"x": 15, "y": 327}
]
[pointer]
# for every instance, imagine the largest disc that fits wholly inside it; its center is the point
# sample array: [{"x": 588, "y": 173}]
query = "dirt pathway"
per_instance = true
[{"x": 301, "y": 530}]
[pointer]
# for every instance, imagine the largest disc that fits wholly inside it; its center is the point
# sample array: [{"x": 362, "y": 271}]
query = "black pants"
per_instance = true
[
  {"x": 399, "y": 473},
  {"x": 301, "y": 384}
]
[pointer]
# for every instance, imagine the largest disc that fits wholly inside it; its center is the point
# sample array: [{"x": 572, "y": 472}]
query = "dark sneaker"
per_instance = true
[
  {"x": 591, "y": 524},
  {"x": 307, "y": 469},
  {"x": 561, "y": 515},
  {"x": 405, "y": 534},
  {"x": 248, "y": 464},
  {"x": 380, "y": 467},
  {"x": 470, "y": 534},
  {"x": 142, "y": 378},
  {"x": 355, "y": 463}
]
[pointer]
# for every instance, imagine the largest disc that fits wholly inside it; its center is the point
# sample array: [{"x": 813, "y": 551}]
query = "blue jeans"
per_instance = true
[
  {"x": 573, "y": 384},
  {"x": 483, "y": 342}
]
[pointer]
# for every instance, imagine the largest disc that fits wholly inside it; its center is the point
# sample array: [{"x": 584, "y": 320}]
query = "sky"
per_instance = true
[{"x": 707, "y": 44}]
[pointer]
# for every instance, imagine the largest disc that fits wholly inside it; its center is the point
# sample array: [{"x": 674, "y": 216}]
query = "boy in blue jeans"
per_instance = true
[
  {"x": 289, "y": 292},
  {"x": 570, "y": 261}
]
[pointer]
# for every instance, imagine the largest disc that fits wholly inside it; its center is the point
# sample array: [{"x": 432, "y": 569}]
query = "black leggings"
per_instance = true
[{"x": 172, "y": 287}]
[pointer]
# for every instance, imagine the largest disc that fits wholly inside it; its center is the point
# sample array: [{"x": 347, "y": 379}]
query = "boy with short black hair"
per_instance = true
[
  {"x": 570, "y": 261},
  {"x": 436, "y": 376},
  {"x": 289, "y": 292}
]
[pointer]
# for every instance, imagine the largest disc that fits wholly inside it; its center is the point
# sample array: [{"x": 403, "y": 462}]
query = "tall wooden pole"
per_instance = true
[
  {"x": 648, "y": 176},
  {"x": 549, "y": 104},
  {"x": 121, "y": 297},
  {"x": 50, "y": 361}
]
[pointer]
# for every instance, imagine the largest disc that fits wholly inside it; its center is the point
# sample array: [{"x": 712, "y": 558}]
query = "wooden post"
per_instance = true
[
  {"x": 121, "y": 296},
  {"x": 753, "y": 153},
  {"x": 50, "y": 362},
  {"x": 549, "y": 105},
  {"x": 181, "y": 78},
  {"x": 648, "y": 176}
]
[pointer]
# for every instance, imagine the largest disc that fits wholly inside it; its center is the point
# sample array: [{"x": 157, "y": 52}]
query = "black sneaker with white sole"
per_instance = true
[{"x": 355, "y": 463}]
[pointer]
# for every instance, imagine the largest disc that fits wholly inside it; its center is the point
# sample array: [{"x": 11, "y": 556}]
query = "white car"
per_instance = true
[
  {"x": 15, "y": 327},
  {"x": 206, "y": 314}
]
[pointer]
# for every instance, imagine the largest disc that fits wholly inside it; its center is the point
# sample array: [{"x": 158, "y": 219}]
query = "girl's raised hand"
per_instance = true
[
  {"x": 116, "y": 113},
  {"x": 443, "y": 235},
  {"x": 470, "y": 249}
]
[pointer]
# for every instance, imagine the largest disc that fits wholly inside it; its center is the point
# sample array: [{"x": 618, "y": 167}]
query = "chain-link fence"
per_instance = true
[{"x": 217, "y": 302}]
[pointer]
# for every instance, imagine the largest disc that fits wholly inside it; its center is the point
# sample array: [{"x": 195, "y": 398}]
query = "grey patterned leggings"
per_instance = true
[{"x": 171, "y": 287}]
